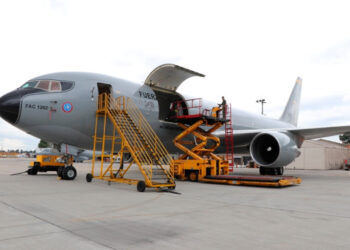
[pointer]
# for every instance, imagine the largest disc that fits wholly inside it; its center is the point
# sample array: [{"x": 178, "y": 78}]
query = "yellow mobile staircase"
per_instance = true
[{"x": 135, "y": 136}]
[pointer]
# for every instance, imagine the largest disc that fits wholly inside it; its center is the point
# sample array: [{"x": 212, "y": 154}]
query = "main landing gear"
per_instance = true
[{"x": 271, "y": 171}]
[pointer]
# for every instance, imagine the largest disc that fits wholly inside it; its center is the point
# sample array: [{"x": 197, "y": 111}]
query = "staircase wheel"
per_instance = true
[
  {"x": 141, "y": 186},
  {"x": 172, "y": 188},
  {"x": 89, "y": 177},
  {"x": 193, "y": 176}
]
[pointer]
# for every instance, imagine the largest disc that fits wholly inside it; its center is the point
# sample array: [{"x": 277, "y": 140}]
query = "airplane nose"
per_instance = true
[{"x": 9, "y": 106}]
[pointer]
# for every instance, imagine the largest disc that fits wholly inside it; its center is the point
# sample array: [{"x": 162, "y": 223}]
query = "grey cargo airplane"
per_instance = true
[{"x": 60, "y": 108}]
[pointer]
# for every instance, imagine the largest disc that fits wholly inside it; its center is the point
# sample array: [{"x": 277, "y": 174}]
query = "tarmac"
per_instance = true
[{"x": 42, "y": 212}]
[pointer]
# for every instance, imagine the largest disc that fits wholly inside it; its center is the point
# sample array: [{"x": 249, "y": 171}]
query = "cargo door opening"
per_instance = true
[
  {"x": 164, "y": 81},
  {"x": 164, "y": 102}
]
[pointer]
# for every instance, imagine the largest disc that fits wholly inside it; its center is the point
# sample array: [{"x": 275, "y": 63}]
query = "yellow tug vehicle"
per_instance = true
[{"x": 61, "y": 164}]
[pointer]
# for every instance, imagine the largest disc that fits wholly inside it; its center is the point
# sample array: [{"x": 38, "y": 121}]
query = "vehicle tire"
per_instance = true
[
  {"x": 89, "y": 177},
  {"x": 69, "y": 173},
  {"x": 35, "y": 170},
  {"x": 193, "y": 176},
  {"x": 32, "y": 171},
  {"x": 141, "y": 186},
  {"x": 59, "y": 171}
]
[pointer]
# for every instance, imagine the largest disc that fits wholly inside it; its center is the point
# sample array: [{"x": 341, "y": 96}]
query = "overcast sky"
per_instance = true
[{"x": 247, "y": 49}]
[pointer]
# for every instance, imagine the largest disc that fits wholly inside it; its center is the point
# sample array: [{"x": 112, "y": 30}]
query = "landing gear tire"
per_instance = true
[
  {"x": 141, "y": 186},
  {"x": 271, "y": 171},
  {"x": 193, "y": 176},
  {"x": 274, "y": 171},
  {"x": 59, "y": 172},
  {"x": 277, "y": 171},
  {"x": 89, "y": 177},
  {"x": 262, "y": 171},
  {"x": 69, "y": 173},
  {"x": 280, "y": 171}
]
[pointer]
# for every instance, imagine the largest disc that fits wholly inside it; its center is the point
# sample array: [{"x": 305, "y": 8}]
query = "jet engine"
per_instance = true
[{"x": 274, "y": 149}]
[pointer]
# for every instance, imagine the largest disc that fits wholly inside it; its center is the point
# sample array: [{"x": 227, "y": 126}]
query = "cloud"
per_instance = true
[
  {"x": 9, "y": 144},
  {"x": 338, "y": 54},
  {"x": 247, "y": 53},
  {"x": 10, "y": 137}
]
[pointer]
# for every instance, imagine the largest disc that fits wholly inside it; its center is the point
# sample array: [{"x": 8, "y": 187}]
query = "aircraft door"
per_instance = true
[
  {"x": 164, "y": 81},
  {"x": 103, "y": 88}
]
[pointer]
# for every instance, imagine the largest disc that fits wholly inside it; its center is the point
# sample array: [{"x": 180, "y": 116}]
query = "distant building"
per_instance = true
[
  {"x": 321, "y": 154},
  {"x": 9, "y": 154}
]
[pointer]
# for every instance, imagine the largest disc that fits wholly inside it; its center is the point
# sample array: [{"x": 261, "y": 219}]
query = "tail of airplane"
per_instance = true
[{"x": 291, "y": 111}]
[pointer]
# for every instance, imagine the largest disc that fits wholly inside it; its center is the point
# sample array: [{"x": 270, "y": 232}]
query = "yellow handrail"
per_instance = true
[{"x": 146, "y": 148}]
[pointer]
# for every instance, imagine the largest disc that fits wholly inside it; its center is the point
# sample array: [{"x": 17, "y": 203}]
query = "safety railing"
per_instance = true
[
  {"x": 146, "y": 148},
  {"x": 187, "y": 108}
]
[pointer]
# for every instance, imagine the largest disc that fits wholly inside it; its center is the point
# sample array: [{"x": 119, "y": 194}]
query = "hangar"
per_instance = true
[{"x": 321, "y": 154}]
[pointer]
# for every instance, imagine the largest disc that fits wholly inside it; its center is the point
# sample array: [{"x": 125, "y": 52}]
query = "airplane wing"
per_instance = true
[
  {"x": 245, "y": 136},
  {"x": 313, "y": 133}
]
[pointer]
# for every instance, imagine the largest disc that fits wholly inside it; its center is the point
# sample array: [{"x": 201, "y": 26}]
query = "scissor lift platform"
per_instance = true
[
  {"x": 253, "y": 180},
  {"x": 191, "y": 119}
]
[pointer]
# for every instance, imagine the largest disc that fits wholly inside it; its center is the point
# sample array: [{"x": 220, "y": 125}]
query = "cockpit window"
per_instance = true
[
  {"x": 43, "y": 84},
  {"x": 66, "y": 85},
  {"x": 29, "y": 85},
  {"x": 48, "y": 85},
  {"x": 55, "y": 86}
]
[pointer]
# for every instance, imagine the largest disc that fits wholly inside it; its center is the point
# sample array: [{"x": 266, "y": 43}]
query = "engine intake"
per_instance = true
[{"x": 274, "y": 149}]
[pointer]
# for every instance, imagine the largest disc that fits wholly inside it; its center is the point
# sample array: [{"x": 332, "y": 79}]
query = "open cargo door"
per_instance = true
[{"x": 164, "y": 81}]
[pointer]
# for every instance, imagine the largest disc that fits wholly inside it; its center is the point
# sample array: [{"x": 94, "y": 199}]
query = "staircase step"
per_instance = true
[{"x": 140, "y": 143}]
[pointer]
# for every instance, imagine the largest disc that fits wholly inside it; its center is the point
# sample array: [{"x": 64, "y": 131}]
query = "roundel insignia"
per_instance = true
[{"x": 67, "y": 107}]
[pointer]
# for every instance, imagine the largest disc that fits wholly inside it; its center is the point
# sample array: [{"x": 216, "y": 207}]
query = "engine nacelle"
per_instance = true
[{"x": 274, "y": 149}]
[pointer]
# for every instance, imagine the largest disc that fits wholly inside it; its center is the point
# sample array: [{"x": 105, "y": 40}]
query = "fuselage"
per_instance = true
[{"x": 67, "y": 114}]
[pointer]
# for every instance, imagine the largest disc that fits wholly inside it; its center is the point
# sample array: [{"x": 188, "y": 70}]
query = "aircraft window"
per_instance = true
[
  {"x": 66, "y": 85},
  {"x": 49, "y": 85},
  {"x": 29, "y": 85},
  {"x": 55, "y": 86},
  {"x": 43, "y": 84}
]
